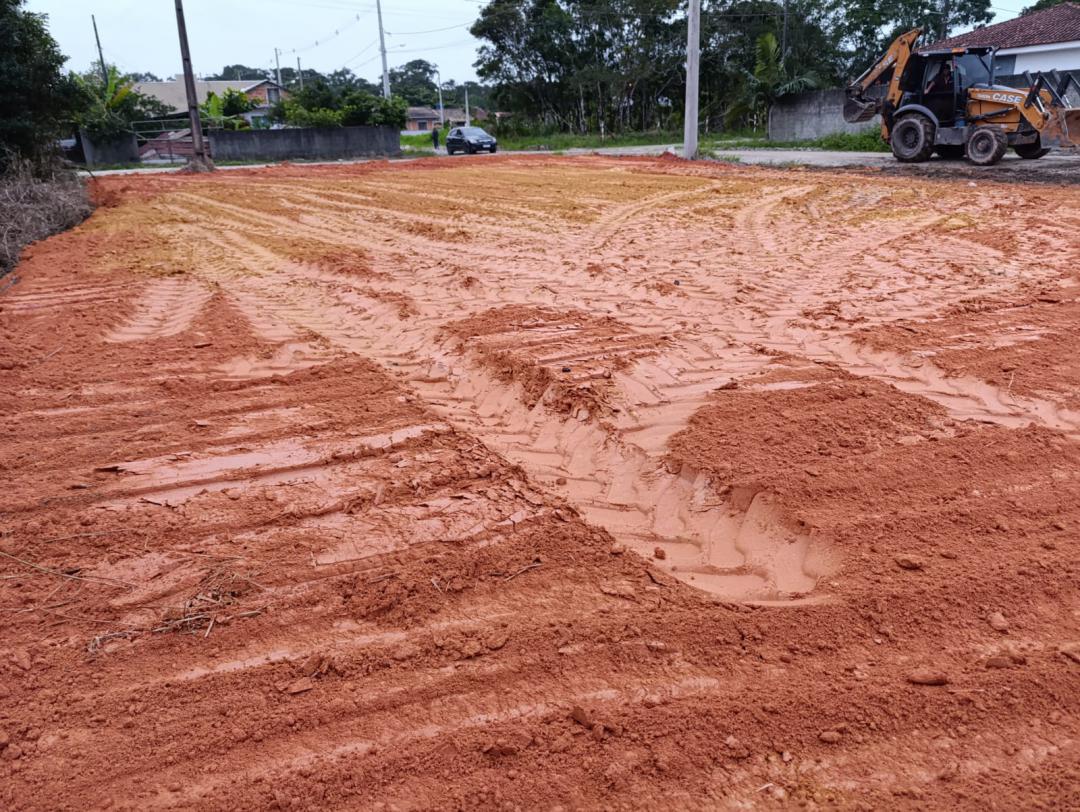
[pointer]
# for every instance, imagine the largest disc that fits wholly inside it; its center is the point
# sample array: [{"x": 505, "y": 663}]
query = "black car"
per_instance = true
[{"x": 470, "y": 140}]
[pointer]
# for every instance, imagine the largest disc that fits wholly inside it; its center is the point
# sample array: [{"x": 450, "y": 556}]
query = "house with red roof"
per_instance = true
[{"x": 1041, "y": 41}]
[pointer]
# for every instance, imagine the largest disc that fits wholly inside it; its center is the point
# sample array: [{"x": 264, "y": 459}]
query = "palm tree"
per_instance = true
[{"x": 773, "y": 77}]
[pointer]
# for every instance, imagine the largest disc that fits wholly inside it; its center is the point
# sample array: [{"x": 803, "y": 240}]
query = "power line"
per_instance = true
[
  {"x": 329, "y": 37},
  {"x": 430, "y": 30}
]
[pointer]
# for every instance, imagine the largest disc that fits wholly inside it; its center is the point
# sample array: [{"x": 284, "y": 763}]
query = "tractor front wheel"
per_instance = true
[
  {"x": 986, "y": 146},
  {"x": 912, "y": 138}
]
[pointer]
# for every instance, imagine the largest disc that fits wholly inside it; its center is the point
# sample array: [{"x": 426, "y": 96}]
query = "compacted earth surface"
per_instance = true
[{"x": 540, "y": 482}]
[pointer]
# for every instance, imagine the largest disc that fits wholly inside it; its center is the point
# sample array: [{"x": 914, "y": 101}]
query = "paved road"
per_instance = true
[{"x": 1054, "y": 166}]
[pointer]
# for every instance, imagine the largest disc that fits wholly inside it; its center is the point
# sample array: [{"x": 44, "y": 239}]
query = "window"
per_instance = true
[
  {"x": 273, "y": 95},
  {"x": 973, "y": 69},
  {"x": 421, "y": 125},
  {"x": 1004, "y": 66}
]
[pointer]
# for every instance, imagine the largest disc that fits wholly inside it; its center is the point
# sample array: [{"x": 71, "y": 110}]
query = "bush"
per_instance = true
[
  {"x": 352, "y": 109},
  {"x": 868, "y": 141},
  {"x": 299, "y": 116},
  {"x": 33, "y": 206}
]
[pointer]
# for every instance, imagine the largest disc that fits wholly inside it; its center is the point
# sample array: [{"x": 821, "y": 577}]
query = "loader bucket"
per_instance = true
[
  {"x": 857, "y": 110},
  {"x": 1063, "y": 128}
]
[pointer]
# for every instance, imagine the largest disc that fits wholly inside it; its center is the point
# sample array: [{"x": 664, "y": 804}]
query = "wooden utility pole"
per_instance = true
[
  {"x": 300, "y": 73},
  {"x": 693, "y": 66},
  {"x": 382, "y": 48},
  {"x": 200, "y": 161},
  {"x": 101, "y": 56},
  {"x": 277, "y": 63}
]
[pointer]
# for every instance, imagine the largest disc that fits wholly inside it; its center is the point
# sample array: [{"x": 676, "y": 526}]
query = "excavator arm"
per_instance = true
[{"x": 861, "y": 107}]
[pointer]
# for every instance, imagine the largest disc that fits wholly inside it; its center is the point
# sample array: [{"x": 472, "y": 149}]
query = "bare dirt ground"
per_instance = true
[{"x": 543, "y": 483}]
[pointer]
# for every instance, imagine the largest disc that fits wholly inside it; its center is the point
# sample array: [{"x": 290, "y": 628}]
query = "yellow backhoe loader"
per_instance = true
[{"x": 945, "y": 101}]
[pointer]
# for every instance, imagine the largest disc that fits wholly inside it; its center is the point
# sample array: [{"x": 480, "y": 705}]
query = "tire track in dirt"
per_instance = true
[
  {"x": 284, "y": 609},
  {"x": 165, "y": 308},
  {"x": 657, "y": 397}
]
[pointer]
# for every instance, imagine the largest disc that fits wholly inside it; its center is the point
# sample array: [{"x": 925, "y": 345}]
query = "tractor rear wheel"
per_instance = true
[
  {"x": 950, "y": 152},
  {"x": 1031, "y": 151},
  {"x": 912, "y": 138},
  {"x": 986, "y": 146}
]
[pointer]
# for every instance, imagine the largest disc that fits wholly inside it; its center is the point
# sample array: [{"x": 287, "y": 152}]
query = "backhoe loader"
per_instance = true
[{"x": 945, "y": 101}]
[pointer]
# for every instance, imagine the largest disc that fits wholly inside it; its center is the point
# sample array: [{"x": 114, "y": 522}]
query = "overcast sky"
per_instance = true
[{"x": 140, "y": 35}]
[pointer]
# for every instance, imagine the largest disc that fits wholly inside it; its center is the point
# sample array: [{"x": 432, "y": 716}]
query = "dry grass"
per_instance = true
[{"x": 33, "y": 207}]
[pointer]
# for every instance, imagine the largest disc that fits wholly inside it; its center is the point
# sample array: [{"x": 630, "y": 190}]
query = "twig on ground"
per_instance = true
[
  {"x": 526, "y": 568},
  {"x": 59, "y": 574}
]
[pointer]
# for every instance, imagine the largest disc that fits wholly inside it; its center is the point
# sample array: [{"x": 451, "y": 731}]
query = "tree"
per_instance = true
[
  {"x": 111, "y": 104},
  {"x": 226, "y": 111},
  {"x": 143, "y": 76},
  {"x": 344, "y": 79},
  {"x": 415, "y": 82},
  {"x": 1041, "y": 5},
  {"x": 37, "y": 101},
  {"x": 772, "y": 78},
  {"x": 867, "y": 27},
  {"x": 238, "y": 73},
  {"x": 235, "y": 103}
]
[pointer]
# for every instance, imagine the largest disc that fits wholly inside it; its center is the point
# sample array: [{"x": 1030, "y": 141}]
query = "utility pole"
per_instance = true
[
  {"x": 101, "y": 56},
  {"x": 783, "y": 37},
  {"x": 300, "y": 73},
  {"x": 277, "y": 62},
  {"x": 944, "y": 20},
  {"x": 468, "y": 119},
  {"x": 442, "y": 120},
  {"x": 200, "y": 161},
  {"x": 693, "y": 65},
  {"x": 382, "y": 48}
]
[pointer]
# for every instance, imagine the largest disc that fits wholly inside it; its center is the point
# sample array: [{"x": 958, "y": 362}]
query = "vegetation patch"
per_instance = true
[{"x": 34, "y": 206}]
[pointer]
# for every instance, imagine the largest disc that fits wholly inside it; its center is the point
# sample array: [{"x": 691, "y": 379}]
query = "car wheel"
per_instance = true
[
  {"x": 449, "y": 151},
  {"x": 987, "y": 145},
  {"x": 912, "y": 138},
  {"x": 493, "y": 150}
]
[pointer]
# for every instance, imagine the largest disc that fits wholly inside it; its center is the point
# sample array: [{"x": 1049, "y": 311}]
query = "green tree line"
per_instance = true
[{"x": 616, "y": 65}]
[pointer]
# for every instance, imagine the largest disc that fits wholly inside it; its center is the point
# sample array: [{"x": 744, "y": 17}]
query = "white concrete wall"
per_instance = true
[{"x": 1059, "y": 56}]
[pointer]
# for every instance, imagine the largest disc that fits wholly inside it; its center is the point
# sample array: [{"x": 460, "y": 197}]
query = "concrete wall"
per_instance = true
[
  {"x": 812, "y": 115},
  {"x": 318, "y": 143},
  {"x": 123, "y": 149},
  {"x": 1057, "y": 56}
]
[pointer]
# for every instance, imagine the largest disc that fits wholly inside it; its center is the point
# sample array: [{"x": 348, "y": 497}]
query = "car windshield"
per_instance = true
[{"x": 474, "y": 131}]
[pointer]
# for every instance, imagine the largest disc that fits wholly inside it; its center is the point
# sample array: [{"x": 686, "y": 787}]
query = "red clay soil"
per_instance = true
[{"x": 301, "y": 508}]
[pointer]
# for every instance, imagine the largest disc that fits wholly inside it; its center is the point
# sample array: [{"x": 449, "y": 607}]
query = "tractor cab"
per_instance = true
[{"x": 940, "y": 81}]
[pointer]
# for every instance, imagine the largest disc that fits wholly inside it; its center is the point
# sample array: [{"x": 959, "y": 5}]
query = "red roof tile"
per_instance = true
[{"x": 1058, "y": 24}]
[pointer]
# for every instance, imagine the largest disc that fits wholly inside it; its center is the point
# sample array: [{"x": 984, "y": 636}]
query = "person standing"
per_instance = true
[{"x": 435, "y": 138}]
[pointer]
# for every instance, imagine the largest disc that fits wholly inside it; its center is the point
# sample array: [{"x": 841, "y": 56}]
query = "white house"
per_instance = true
[{"x": 1042, "y": 41}]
